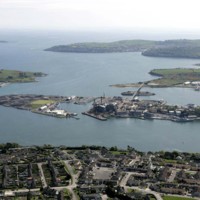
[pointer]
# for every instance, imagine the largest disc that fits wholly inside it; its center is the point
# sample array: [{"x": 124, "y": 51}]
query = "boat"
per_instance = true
[
  {"x": 197, "y": 88},
  {"x": 182, "y": 119},
  {"x": 141, "y": 93}
]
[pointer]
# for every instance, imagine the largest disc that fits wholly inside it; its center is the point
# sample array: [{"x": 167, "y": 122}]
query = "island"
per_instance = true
[
  {"x": 15, "y": 76},
  {"x": 181, "y": 48},
  {"x": 175, "y": 77},
  {"x": 103, "y": 108},
  {"x": 43, "y": 104},
  {"x": 97, "y": 172}
]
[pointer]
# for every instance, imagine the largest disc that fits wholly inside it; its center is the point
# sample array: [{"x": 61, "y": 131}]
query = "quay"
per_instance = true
[
  {"x": 140, "y": 93},
  {"x": 99, "y": 117},
  {"x": 104, "y": 108}
]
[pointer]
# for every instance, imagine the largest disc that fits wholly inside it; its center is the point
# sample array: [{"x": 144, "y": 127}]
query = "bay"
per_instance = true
[{"x": 89, "y": 75}]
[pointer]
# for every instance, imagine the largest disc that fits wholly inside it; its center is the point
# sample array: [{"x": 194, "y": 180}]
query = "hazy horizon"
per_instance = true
[{"x": 100, "y": 15}]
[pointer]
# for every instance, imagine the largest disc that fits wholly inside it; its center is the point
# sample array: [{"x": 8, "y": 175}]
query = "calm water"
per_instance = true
[{"x": 89, "y": 75}]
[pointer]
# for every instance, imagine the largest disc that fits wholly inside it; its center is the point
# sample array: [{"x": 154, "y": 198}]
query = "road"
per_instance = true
[
  {"x": 172, "y": 176},
  {"x": 44, "y": 183},
  {"x": 126, "y": 177},
  {"x": 147, "y": 190},
  {"x": 74, "y": 179}
]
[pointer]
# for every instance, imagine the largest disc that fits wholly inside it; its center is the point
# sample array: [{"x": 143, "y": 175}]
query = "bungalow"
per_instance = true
[{"x": 172, "y": 191}]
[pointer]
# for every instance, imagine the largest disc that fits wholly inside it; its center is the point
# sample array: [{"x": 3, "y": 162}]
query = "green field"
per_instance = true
[
  {"x": 175, "y": 71},
  {"x": 176, "y": 76},
  {"x": 176, "y": 198},
  {"x": 14, "y": 76},
  {"x": 168, "y": 78},
  {"x": 97, "y": 47},
  {"x": 39, "y": 103}
]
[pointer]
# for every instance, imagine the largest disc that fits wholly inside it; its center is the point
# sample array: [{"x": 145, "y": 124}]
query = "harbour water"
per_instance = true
[{"x": 89, "y": 75}]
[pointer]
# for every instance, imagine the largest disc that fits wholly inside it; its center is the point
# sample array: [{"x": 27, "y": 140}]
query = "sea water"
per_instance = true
[{"x": 90, "y": 75}]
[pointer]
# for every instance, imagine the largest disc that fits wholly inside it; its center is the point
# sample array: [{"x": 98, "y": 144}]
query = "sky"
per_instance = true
[{"x": 100, "y": 14}]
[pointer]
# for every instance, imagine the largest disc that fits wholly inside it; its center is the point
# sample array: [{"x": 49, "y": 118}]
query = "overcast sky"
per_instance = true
[{"x": 100, "y": 14}]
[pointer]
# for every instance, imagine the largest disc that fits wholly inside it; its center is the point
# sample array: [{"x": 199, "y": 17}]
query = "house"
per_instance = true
[
  {"x": 91, "y": 197},
  {"x": 172, "y": 191}
]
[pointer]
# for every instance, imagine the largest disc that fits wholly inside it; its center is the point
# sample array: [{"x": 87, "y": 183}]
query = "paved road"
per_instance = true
[
  {"x": 147, "y": 191},
  {"x": 44, "y": 183},
  {"x": 73, "y": 180},
  {"x": 126, "y": 177},
  {"x": 172, "y": 176}
]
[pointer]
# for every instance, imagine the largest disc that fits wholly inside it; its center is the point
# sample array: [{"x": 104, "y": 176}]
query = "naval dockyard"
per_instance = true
[{"x": 103, "y": 108}]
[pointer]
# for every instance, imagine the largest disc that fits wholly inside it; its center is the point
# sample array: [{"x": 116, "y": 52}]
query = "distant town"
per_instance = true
[
  {"x": 103, "y": 108},
  {"x": 95, "y": 172}
]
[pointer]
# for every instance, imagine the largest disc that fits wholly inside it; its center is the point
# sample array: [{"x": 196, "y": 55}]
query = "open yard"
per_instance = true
[
  {"x": 176, "y": 198},
  {"x": 39, "y": 103}
]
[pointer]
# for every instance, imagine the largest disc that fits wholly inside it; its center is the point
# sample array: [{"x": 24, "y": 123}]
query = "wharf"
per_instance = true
[
  {"x": 140, "y": 93},
  {"x": 48, "y": 114},
  {"x": 99, "y": 117}
]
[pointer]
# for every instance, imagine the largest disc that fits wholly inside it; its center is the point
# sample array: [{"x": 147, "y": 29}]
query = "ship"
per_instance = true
[
  {"x": 182, "y": 119},
  {"x": 140, "y": 93}
]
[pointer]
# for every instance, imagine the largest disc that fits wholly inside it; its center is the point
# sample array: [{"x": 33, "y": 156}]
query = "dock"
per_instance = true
[{"x": 99, "y": 117}]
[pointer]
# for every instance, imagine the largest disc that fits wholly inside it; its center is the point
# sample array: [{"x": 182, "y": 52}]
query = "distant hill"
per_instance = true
[
  {"x": 2, "y": 41},
  {"x": 95, "y": 47},
  {"x": 175, "y": 48},
  {"x": 169, "y": 48}
]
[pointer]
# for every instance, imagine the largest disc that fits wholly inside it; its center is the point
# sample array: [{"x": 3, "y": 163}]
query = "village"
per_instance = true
[{"x": 94, "y": 172}]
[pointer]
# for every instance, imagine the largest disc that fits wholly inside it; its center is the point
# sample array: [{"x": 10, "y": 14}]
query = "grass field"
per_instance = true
[
  {"x": 39, "y": 103},
  {"x": 175, "y": 71},
  {"x": 177, "y": 198},
  {"x": 13, "y": 76},
  {"x": 176, "y": 76},
  {"x": 119, "y": 152}
]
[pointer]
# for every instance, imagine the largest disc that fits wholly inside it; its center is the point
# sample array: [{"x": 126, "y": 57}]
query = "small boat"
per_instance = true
[
  {"x": 197, "y": 88},
  {"x": 182, "y": 119}
]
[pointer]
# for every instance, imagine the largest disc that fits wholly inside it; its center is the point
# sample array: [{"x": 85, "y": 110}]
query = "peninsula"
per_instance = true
[
  {"x": 175, "y": 77},
  {"x": 43, "y": 104},
  {"x": 181, "y": 48},
  {"x": 14, "y": 76},
  {"x": 95, "y": 47}
]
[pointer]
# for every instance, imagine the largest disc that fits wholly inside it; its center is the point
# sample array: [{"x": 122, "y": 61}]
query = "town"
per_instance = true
[
  {"x": 95, "y": 172},
  {"x": 103, "y": 108},
  {"x": 106, "y": 107}
]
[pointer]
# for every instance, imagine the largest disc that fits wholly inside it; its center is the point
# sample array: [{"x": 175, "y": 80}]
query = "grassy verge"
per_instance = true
[
  {"x": 175, "y": 76},
  {"x": 176, "y": 198},
  {"x": 119, "y": 152}
]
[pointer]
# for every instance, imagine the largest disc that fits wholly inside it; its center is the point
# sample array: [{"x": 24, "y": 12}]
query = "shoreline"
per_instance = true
[{"x": 136, "y": 85}]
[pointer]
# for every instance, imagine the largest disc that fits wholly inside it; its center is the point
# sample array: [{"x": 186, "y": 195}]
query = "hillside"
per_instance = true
[
  {"x": 175, "y": 48},
  {"x": 93, "y": 47},
  {"x": 168, "y": 48}
]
